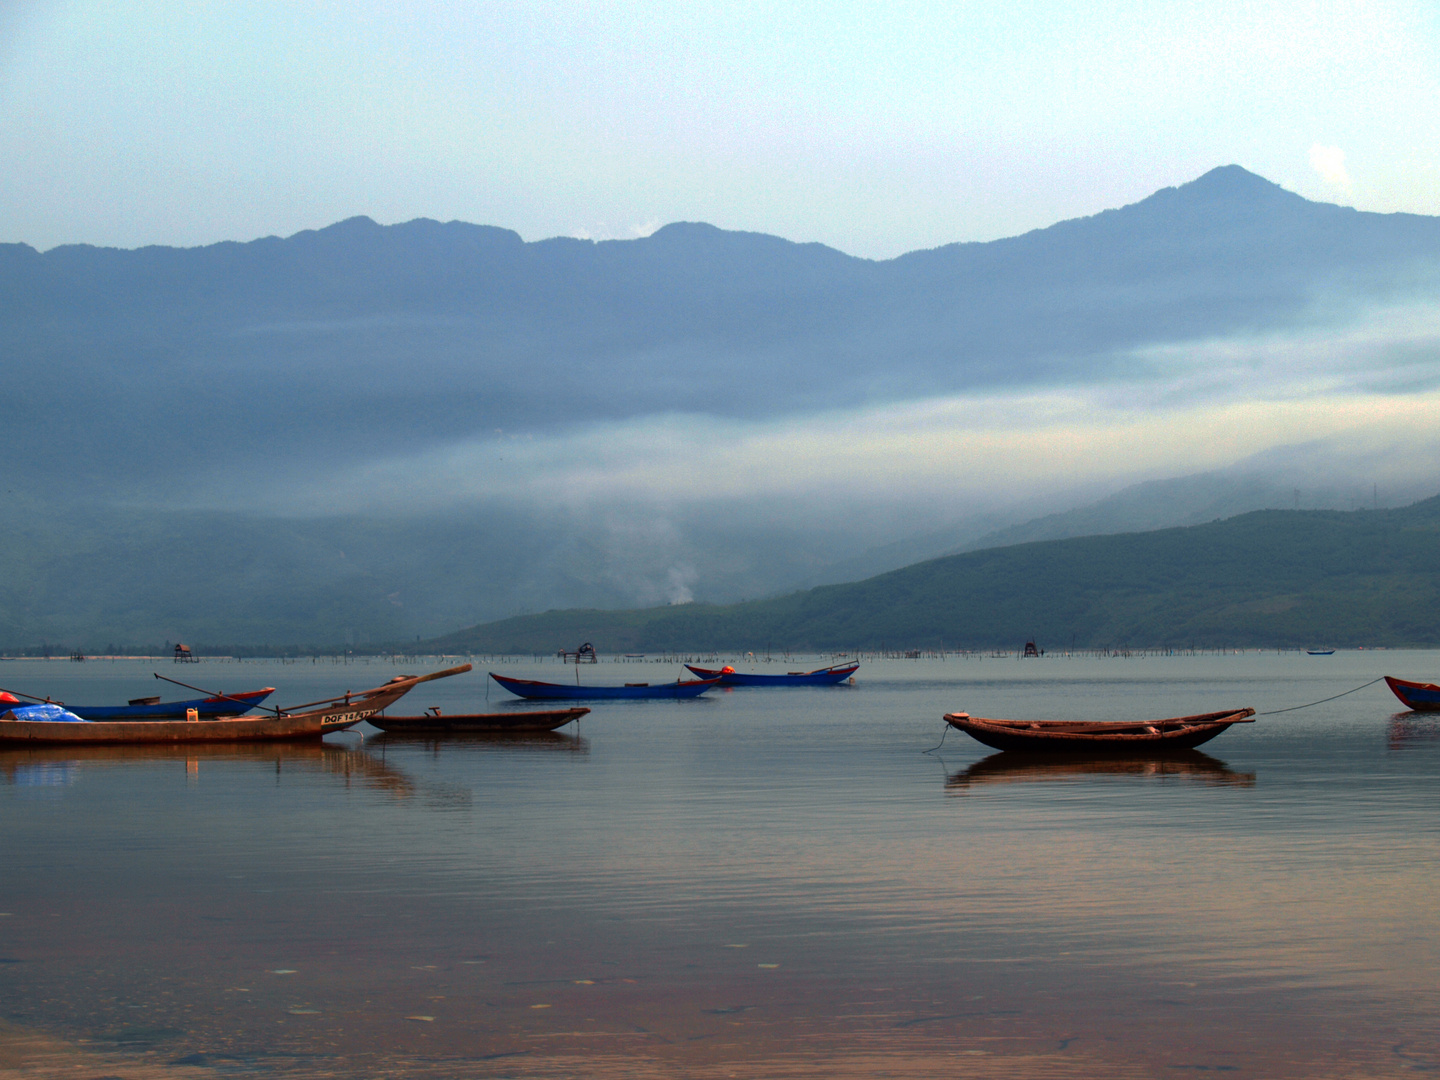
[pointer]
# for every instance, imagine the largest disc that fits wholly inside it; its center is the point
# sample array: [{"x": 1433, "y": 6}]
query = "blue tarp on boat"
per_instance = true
[{"x": 57, "y": 714}]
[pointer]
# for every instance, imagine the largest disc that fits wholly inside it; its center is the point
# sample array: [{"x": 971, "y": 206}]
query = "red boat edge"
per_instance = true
[{"x": 1416, "y": 696}]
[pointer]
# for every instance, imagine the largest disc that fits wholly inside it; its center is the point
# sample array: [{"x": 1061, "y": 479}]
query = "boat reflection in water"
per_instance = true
[
  {"x": 1409, "y": 730},
  {"x": 20, "y": 765},
  {"x": 1012, "y": 766},
  {"x": 501, "y": 741}
]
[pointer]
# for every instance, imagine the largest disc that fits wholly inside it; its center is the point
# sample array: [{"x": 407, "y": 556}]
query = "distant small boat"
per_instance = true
[
  {"x": 434, "y": 722},
  {"x": 544, "y": 691},
  {"x": 1418, "y": 696},
  {"x": 1098, "y": 737},
  {"x": 827, "y": 676},
  {"x": 1320, "y": 652},
  {"x": 152, "y": 708}
]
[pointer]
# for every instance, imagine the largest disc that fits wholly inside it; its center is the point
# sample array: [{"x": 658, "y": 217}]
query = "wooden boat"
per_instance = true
[
  {"x": 152, "y": 708},
  {"x": 1319, "y": 652},
  {"x": 1098, "y": 737},
  {"x": 434, "y": 722},
  {"x": 1419, "y": 696},
  {"x": 827, "y": 676},
  {"x": 308, "y": 721},
  {"x": 544, "y": 691}
]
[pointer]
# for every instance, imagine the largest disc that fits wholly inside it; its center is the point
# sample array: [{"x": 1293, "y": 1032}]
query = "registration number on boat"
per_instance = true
[{"x": 346, "y": 717}]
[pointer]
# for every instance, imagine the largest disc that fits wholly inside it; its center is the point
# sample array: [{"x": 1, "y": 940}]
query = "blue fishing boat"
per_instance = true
[
  {"x": 152, "y": 708},
  {"x": 544, "y": 691},
  {"x": 827, "y": 676},
  {"x": 1419, "y": 696}
]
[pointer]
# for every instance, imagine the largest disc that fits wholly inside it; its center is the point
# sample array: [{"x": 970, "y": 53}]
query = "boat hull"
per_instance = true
[
  {"x": 477, "y": 722},
  {"x": 543, "y": 691},
  {"x": 821, "y": 677},
  {"x": 304, "y": 722},
  {"x": 1110, "y": 738},
  {"x": 206, "y": 708},
  {"x": 1417, "y": 696}
]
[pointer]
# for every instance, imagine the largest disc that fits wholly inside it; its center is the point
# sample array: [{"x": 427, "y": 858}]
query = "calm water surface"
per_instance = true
[{"x": 755, "y": 883}]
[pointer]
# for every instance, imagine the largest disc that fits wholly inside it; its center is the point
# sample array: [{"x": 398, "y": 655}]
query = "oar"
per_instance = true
[
  {"x": 414, "y": 681},
  {"x": 226, "y": 697}
]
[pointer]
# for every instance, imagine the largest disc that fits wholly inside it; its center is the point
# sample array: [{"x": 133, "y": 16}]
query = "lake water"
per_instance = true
[{"x": 755, "y": 883}]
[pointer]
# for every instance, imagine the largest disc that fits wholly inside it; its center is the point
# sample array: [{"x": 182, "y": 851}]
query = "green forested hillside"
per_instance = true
[{"x": 1273, "y": 577}]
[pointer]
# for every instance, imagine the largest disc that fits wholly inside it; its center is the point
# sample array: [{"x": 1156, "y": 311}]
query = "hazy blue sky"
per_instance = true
[{"x": 874, "y": 127}]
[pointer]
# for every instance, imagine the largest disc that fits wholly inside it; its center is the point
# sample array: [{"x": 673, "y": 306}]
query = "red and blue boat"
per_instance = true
[
  {"x": 152, "y": 708},
  {"x": 1418, "y": 696},
  {"x": 545, "y": 691},
  {"x": 827, "y": 676}
]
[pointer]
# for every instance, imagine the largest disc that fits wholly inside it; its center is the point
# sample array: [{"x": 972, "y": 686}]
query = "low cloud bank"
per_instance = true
[{"x": 1361, "y": 404}]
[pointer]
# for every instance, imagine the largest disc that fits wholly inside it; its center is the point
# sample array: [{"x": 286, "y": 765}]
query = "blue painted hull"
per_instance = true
[
  {"x": 208, "y": 708},
  {"x": 1421, "y": 697},
  {"x": 543, "y": 691},
  {"x": 821, "y": 677}
]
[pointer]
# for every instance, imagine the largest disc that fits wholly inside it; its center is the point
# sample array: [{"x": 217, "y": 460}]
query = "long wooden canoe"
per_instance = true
[
  {"x": 826, "y": 676},
  {"x": 1098, "y": 737},
  {"x": 309, "y": 721},
  {"x": 435, "y": 722},
  {"x": 1418, "y": 696}
]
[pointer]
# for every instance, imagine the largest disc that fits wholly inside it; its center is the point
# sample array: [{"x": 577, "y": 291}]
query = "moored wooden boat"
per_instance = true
[
  {"x": 1099, "y": 737},
  {"x": 826, "y": 676},
  {"x": 309, "y": 721},
  {"x": 434, "y": 722},
  {"x": 544, "y": 691},
  {"x": 1418, "y": 696}
]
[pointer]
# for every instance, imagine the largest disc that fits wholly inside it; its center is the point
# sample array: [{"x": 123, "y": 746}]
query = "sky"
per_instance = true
[{"x": 874, "y": 128}]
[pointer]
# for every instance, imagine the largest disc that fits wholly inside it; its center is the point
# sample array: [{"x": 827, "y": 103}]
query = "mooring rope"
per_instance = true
[
  {"x": 940, "y": 743},
  {"x": 1274, "y": 712}
]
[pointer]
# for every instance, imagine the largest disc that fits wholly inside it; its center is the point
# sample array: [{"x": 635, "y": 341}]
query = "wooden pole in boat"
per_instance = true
[
  {"x": 412, "y": 680},
  {"x": 32, "y": 697},
  {"x": 226, "y": 697}
]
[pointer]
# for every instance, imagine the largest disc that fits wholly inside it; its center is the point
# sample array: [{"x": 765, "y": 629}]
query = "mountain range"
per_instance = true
[
  {"x": 195, "y": 431},
  {"x": 1270, "y": 578}
]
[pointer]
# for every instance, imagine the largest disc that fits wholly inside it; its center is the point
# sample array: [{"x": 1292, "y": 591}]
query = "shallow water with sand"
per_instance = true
[{"x": 755, "y": 883}]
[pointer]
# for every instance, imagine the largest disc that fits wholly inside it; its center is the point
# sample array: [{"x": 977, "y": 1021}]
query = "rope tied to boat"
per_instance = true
[
  {"x": 1276, "y": 712},
  {"x": 941, "y": 742}
]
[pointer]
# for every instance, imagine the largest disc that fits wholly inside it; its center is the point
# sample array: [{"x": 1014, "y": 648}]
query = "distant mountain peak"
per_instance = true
[
  {"x": 1233, "y": 177},
  {"x": 1230, "y": 183},
  {"x": 360, "y": 223}
]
